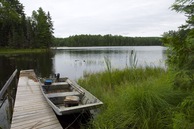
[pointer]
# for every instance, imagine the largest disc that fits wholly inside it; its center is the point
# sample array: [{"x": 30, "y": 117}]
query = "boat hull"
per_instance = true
[{"x": 58, "y": 92}]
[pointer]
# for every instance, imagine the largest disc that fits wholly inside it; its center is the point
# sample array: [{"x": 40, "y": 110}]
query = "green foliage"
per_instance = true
[
  {"x": 106, "y": 40},
  {"x": 17, "y": 31},
  {"x": 181, "y": 60},
  {"x": 141, "y": 98},
  {"x": 181, "y": 46},
  {"x": 42, "y": 26},
  {"x": 10, "y": 19},
  {"x": 186, "y": 7},
  {"x": 184, "y": 116},
  {"x": 183, "y": 80}
]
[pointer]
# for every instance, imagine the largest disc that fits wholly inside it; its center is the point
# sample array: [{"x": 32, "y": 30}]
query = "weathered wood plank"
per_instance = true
[
  {"x": 37, "y": 124},
  {"x": 33, "y": 107},
  {"x": 26, "y": 118},
  {"x": 29, "y": 121},
  {"x": 63, "y": 94},
  {"x": 31, "y": 111}
]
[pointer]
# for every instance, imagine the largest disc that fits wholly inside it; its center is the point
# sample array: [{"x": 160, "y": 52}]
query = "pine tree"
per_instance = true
[{"x": 43, "y": 28}]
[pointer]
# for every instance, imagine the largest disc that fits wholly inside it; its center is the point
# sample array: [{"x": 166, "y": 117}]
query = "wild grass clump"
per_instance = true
[
  {"x": 142, "y": 98},
  {"x": 184, "y": 115},
  {"x": 99, "y": 83}
]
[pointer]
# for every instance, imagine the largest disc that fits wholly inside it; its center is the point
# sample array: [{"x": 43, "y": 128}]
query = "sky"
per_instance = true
[{"x": 117, "y": 17}]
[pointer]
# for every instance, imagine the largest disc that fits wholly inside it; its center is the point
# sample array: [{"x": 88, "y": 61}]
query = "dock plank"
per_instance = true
[{"x": 31, "y": 111}]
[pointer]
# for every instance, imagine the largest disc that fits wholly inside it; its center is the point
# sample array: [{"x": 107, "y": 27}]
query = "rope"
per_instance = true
[
  {"x": 4, "y": 99},
  {"x": 74, "y": 120},
  {"x": 3, "y": 102}
]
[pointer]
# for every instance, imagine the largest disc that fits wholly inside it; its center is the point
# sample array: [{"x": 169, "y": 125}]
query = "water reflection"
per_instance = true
[
  {"x": 73, "y": 62},
  {"x": 41, "y": 63}
]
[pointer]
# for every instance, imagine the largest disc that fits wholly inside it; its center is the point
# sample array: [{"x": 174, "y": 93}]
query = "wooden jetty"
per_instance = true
[{"x": 31, "y": 111}]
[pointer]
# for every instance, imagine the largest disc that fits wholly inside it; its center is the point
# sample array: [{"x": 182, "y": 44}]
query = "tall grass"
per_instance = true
[
  {"x": 133, "y": 59},
  {"x": 109, "y": 71},
  {"x": 184, "y": 116},
  {"x": 142, "y": 98}
]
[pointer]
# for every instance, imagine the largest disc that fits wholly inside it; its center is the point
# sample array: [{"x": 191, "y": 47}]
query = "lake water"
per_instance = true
[{"x": 75, "y": 61}]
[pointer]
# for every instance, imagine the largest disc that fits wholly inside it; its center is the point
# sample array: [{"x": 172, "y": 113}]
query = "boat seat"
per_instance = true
[
  {"x": 63, "y": 94},
  {"x": 70, "y": 101},
  {"x": 59, "y": 84}
]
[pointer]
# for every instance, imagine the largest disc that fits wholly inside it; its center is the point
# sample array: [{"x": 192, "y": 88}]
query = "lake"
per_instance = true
[{"x": 74, "y": 62}]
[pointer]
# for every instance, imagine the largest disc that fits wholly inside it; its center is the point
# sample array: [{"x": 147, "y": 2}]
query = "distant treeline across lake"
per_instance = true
[{"x": 106, "y": 40}]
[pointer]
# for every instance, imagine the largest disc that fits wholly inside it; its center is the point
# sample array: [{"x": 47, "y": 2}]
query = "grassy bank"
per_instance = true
[
  {"x": 141, "y": 98},
  {"x": 21, "y": 51}
]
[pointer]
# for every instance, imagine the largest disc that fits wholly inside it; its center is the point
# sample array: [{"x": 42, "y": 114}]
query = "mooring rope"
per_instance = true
[
  {"x": 74, "y": 120},
  {"x": 3, "y": 102}
]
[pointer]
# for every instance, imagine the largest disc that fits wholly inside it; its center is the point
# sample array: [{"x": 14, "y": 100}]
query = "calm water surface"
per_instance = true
[{"x": 75, "y": 61}]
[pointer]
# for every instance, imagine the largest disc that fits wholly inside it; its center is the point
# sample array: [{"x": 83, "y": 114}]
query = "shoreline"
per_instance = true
[{"x": 21, "y": 51}]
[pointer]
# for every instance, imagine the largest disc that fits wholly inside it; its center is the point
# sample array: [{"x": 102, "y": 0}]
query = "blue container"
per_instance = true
[{"x": 48, "y": 82}]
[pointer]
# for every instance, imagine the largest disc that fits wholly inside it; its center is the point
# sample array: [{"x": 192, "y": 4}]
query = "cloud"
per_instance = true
[{"x": 117, "y": 17}]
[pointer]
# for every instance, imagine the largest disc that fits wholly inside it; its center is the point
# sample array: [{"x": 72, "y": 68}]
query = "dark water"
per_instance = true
[
  {"x": 41, "y": 63},
  {"x": 74, "y": 62}
]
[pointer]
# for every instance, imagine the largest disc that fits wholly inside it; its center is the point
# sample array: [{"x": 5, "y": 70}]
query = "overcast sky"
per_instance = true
[{"x": 116, "y": 17}]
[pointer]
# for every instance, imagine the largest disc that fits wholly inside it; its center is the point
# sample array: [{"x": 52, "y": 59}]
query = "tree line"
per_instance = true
[
  {"x": 20, "y": 31},
  {"x": 106, "y": 40}
]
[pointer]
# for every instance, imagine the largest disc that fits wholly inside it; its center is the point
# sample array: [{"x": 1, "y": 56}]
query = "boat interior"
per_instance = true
[{"x": 64, "y": 94}]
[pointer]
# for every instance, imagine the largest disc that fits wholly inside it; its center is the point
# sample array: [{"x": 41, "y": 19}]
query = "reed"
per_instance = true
[
  {"x": 109, "y": 71},
  {"x": 142, "y": 98},
  {"x": 133, "y": 59}
]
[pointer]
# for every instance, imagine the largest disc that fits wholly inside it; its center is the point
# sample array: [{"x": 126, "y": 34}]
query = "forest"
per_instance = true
[
  {"x": 36, "y": 31},
  {"x": 20, "y": 31},
  {"x": 106, "y": 40}
]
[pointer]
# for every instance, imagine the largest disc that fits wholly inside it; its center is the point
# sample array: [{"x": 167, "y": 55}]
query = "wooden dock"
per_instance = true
[{"x": 31, "y": 110}]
